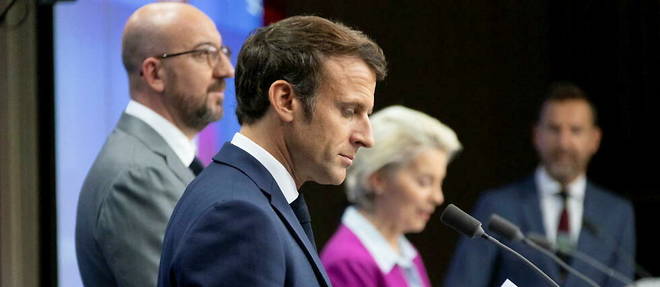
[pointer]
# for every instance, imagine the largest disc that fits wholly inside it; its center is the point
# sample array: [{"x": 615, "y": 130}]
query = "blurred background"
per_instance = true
[{"x": 481, "y": 67}]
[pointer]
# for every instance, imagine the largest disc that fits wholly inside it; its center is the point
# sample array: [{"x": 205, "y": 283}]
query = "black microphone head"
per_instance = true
[
  {"x": 541, "y": 241},
  {"x": 505, "y": 228},
  {"x": 460, "y": 221}
]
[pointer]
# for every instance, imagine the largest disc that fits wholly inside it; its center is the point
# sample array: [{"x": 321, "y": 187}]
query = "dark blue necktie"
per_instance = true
[
  {"x": 196, "y": 166},
  {"x": 302, "y": 213}
]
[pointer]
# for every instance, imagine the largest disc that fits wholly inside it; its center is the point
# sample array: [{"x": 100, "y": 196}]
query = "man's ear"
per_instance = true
[
  {"x": 596, "y": 135},
  {"x": 153, "y": 74},
  {"x": 283, "y": 100}
]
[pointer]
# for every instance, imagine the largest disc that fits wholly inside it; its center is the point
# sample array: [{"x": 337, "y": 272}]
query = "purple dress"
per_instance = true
[{"x": 349, "y": 263}]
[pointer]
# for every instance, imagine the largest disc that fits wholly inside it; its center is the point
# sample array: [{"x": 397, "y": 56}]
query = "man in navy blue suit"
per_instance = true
[
  {"x": 305, "y": 88},
  {"x": 558, "y": 202}
]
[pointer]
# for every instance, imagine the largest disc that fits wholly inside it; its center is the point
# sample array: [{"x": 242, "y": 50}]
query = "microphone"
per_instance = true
[
  {"x": 465, "y": 224},
  {"x": 462, "y": 222},
  {"x": 593, "y": 229},
  {"x": 512, "y": 233},
  {"x": 505, "y": 228},
  {"x": 543, "y": 242}
]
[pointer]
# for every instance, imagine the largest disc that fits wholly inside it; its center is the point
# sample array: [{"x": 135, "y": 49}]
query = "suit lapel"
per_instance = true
[
  {"x": 238, "y": 158},
  {"x": 588, "y": 242},
  {"x": 286, "y": 214},
  {"x": 531, "y": 207},
  {"x": 152, "y": 140},
  {"x": 533, "y": 218}
]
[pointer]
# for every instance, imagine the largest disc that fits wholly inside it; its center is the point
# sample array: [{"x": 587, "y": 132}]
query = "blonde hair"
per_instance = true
[{"x": 399, "y": 134}]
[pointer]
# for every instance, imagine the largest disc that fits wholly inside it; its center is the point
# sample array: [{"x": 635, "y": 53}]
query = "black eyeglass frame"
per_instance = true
[{"x": 223, "y": 49}]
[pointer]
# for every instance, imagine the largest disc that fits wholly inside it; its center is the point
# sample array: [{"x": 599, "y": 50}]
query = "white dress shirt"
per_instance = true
[
  {"x": 380, "y": 250},
  {"x": 282, "y": 176},
  {"x": 552, "y": 203},
  {"x": 184, "y": 148}
]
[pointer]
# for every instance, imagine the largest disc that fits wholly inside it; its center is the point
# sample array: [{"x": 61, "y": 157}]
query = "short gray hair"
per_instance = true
[{"x": 399, "y": 134}]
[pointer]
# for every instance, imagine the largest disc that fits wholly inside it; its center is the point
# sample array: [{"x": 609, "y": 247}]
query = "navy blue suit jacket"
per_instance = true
[
  {"x": 233, "y": 227},
  {"x": 608, "y": 235}
]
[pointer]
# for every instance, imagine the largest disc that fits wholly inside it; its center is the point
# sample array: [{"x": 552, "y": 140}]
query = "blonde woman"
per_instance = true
[{"x": 394, "y": 188}]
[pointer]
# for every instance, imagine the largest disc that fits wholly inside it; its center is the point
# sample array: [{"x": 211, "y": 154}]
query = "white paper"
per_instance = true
[
  {"x": 647, "y": 282},
  {"x": 508, "y": 283}
]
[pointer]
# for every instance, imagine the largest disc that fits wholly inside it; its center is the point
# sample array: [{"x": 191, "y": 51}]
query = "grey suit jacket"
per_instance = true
[{"x": 125, "y": 204}]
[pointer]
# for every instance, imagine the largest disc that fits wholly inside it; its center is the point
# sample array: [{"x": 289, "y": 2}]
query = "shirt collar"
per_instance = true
[
  {"x": 375, "y": 243},
  {"x": 549, "y": 187},
  {"x": 282, "y": 176},
  {"x": 184, "y": 148}
]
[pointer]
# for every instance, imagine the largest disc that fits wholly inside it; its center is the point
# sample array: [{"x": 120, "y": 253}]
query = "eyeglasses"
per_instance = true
[{"x": 211, "y": 53}]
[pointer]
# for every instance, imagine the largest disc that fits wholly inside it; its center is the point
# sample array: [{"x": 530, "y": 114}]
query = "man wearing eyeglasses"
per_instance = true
[{"x": 177, "y": 66}]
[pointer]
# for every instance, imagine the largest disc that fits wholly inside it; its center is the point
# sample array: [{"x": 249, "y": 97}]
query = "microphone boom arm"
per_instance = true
[
  {"x": 560, "y": 262},
  {"x": 498, "y": 243},
  {"x": 600, "y": 266}
]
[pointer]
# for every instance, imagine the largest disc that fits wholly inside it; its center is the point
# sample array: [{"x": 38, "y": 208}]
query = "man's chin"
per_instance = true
[
  {"x": 335, "y": 181},
  {"x": 335, "y": 178},
  {"x": 214, "y": 114},
  {"x": 218, "y": 115},
  {"x": 562, "y": 173}
]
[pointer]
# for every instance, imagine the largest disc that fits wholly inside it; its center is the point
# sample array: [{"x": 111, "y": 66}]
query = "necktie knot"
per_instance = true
[
  {"x": 563, "y": 192},
  {"x": 300, "y": 209},
  {"x": 196, "y": 166}
]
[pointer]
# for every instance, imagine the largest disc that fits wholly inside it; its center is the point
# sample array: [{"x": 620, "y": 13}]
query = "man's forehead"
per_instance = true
[
  {"x": 567, "y": 110},
  {"x": 191, "y": 31}
]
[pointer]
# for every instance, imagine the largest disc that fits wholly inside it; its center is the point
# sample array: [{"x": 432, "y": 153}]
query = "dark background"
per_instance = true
[{"x": 482, "y": 67}]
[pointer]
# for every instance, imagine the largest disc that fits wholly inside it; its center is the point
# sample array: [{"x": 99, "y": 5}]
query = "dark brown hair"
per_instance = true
[
  {"x": 294, "y": 50},
  {"x": 566, "y": 91}
]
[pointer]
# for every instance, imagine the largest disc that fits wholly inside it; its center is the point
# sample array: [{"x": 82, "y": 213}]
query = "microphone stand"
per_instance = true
[
  {"x": 560, "y": 262},
  {"x": 507, "y": 248},
  {"x": 469, "y": 226}
]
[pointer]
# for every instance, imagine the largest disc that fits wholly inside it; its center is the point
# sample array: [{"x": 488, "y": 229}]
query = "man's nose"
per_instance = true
[
  {"x": 224, "y": 68},
  {"x": 364, "y": 135},
  {"x": 565, "y": 139}
]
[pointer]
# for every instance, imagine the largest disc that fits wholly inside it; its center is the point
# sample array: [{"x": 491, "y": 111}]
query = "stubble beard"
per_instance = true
[
  {"x": 196, "y": 114},
  {"x": 564, "y": 171}
]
